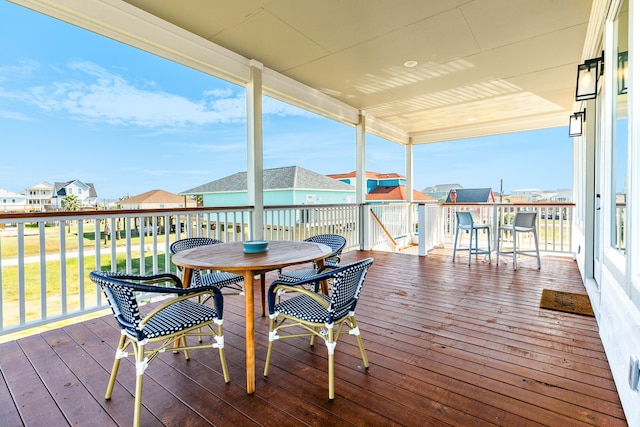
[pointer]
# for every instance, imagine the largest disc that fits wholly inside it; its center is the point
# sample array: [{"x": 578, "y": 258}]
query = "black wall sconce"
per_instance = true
[
  {"x": 588, "y": 74},
  {"x": 575, "y": 123},
  {"x": 623, "y": 72}
]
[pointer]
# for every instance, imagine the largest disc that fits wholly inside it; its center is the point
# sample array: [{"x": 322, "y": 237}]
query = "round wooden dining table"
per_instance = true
[{"x": 231, "y": 257}]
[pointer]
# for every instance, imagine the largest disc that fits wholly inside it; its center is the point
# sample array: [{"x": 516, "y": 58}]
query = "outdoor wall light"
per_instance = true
[
  {"x": 575, "y": 123},
  {"x": 623, "y": 72},
  {"x": 588, "y": 74}
]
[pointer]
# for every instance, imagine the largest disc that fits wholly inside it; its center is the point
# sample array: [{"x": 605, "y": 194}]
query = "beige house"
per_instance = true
[{"x": 157, "y": 199}]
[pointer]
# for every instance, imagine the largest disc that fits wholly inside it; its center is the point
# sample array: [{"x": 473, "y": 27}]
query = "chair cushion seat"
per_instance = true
[
  {"x": 178, "y": 317},
  {"x": 297, "y": 275},
  {"x": 219, "y": 279},
  {"x": 307, "y": 309}
]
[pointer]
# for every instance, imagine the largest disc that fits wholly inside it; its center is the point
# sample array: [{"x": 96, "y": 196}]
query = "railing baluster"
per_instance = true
[
  {"x": 43, "y": 269},
  {"x": 21, "y": 274},
  {"x": 63, "y": 266}
]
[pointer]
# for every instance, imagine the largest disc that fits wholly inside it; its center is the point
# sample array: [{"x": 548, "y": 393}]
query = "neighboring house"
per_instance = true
[
  {"x": 12, "y": 202},
  {"x": 527, "y": 195},
  {"x": 564, "y": 195},
  {"x": 85, "y": 192},
  {"x": 39, "y": 195},
  {"x": 383, "y": 187},
  {"x": 533, "y": 195},
  {"x": 441, "y": 191},
  {"x": 156, "y": 199},
  {"x": 290, "y": 185},
  {"x": 471, "y": 195},
  {"x": 396, "y": 193}
]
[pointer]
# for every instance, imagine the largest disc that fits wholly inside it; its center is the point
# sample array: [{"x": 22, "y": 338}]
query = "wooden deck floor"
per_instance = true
[{"x": 448, "y": 344}]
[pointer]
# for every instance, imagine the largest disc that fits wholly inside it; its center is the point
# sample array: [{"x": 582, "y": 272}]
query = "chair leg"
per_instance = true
[
  {"x": 183, "y": 340},
  {"x": 140, "y": 368},
  {"x": 455, "y": 244},
  {"x": 223, "y": 359},
  {"x": 515, "y": 252},
  {"x": 116, "y": 365},
  {"x": 535, "y": 239},
  {"x": 331, "y": 346},
  {"x": 272, "y": 338},
  {"x": 356, "y": 331},
  {"x": 471, "y": 245}
]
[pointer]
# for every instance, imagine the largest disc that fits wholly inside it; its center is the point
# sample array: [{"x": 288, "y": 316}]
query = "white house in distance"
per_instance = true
[
  {"x": 85, "y": 192},
  {"x": 46, "y": 196},
  {"x": 39, "y": 195},
  {"x": 12, "y": 202}
]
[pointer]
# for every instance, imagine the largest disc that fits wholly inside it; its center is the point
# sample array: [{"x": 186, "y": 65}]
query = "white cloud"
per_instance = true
[
  {"x": 14, "y": 115},
  {"x": 99, "y": 95},
  {"x": 24, "y": 68}
]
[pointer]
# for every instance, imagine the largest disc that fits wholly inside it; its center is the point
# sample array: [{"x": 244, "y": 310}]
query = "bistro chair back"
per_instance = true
[
  {"x": 228, "y": 282},
  {"x": 334, "y": 241}
]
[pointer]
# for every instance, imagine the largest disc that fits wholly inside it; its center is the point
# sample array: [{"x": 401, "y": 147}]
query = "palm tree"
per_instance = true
[{"x": 70, "y": 202}]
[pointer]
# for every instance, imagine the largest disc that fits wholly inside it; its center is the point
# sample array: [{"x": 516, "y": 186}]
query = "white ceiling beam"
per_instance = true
[{"x": 487, "y": 129}]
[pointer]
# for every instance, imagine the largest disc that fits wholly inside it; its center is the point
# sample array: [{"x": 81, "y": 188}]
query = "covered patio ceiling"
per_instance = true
[{"x": 480, "y": 67}]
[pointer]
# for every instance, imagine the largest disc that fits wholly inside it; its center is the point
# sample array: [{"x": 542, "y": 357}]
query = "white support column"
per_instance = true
[
  {"x": 361, "y": 156},
  {"x": 361, "y": 180},
  {"x": 409, "y": 187},
  {"x": 422, "y": 228},
  {"x": 255, "y": 179}
]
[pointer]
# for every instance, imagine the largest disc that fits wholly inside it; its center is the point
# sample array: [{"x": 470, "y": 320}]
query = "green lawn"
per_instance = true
[{"x": 52, "y": 285}]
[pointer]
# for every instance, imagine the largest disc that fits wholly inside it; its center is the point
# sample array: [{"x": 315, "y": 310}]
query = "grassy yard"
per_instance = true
[
  {"x": 9, "y": 242},
  {"x": 73, "y": 288}
]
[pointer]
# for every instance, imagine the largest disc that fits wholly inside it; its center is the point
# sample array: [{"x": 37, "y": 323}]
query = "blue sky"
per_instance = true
[{"x": 75, "y": 105}]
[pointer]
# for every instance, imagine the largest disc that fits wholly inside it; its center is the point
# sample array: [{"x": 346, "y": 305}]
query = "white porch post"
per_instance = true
[
  {"x": 255, "y": 184},
  {"x": 422, "y": 227},
  {"x": 361, "y": 180},
  {"x": 409, "y": 187}
]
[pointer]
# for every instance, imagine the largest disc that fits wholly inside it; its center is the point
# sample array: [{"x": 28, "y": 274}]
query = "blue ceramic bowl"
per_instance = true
[{"x": 255, "y": 246}]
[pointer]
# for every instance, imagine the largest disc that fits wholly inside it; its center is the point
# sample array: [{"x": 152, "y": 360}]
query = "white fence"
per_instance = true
[{"x": 45, "y": 258}]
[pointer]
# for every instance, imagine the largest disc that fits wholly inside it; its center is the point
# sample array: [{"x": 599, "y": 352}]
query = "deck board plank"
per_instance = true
[{"x": 448, "y": 344}]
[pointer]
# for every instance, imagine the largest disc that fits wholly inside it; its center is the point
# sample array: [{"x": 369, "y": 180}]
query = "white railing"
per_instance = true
[
  {"x": 45, "y": 258},
  {"x": 389, "y": 227},
  {"x": 300, "y": 222},
  {"x": 554, "y": 222}
]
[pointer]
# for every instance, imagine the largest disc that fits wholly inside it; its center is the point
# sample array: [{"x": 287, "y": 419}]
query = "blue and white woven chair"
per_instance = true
[
  {"x": 313, "y": 314},
  {"x": 335, "y": 242},
  {"x": 229, "y": 283},
  {"x": 166, "y": 326}
]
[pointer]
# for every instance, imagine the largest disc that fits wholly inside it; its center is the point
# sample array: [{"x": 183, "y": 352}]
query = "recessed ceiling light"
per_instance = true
[{"x": 410, "y": 64}]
